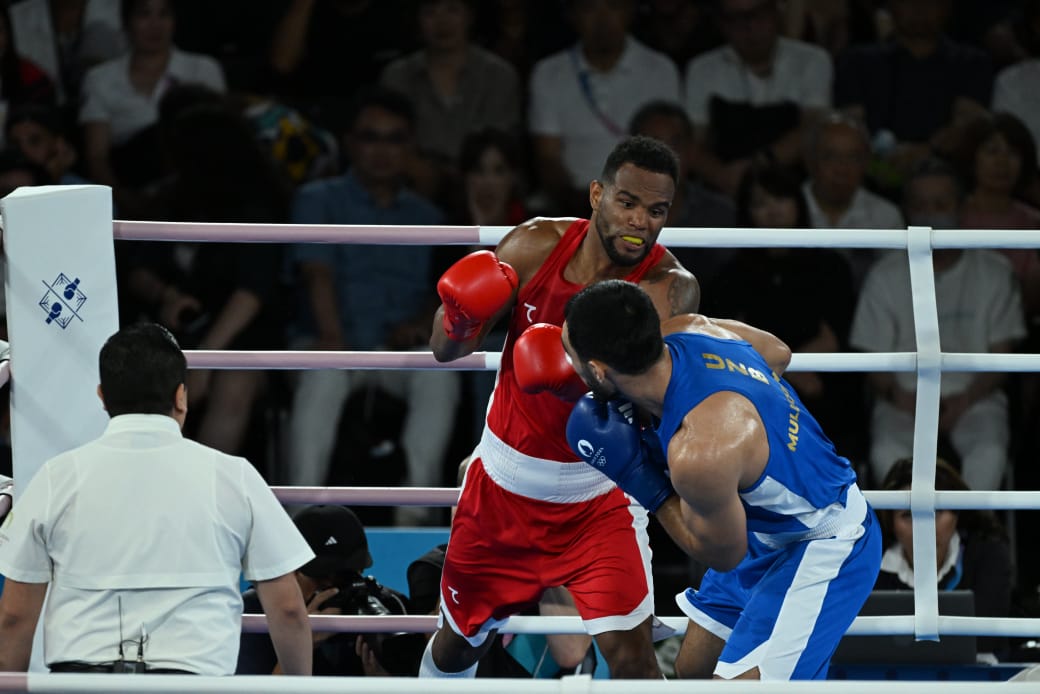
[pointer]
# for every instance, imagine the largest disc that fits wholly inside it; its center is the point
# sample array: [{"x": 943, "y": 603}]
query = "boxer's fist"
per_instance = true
[
  {"x": 610, "y": 442},
  {"x": 541, "y": 364},
  {"x": 473, "y": 290}
]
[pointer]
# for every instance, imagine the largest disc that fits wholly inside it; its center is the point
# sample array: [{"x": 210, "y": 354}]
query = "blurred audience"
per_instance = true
[
  {"x": 1014, "y": 90},
  {"x": 750, "y": 99},
  {"x": 39, "y": 133},
  {"x": 304, "y": 150},
  {"x": 21, "y": 81},
  {"x": 522, "y": 32},
  {"x": 582, "y": 99},
  {"x": 323, "y": 51},
  {"x": 836, "y": 157},
  {"x": 456, "y": 88},
  {"x": 681, "y": 29},
  {"x": 999, "y": 162},
  {"x": 65, "y": 38},
  {"x": 121, "y": 98},
  {"x": 17, "y": 170},
  {"x": 370, "y": 297},
  {"x": 980, "y": 310},
  {"x": 215, "y": 295},
  {"x": 826, "y": 23},
  {"x": 915, "y": 91},
  {"x": 761, "y": 285},
  {"x": 493, "y": 182},
  {"x": 492, "y": 194},
  {"x": 971, "y": 548}
]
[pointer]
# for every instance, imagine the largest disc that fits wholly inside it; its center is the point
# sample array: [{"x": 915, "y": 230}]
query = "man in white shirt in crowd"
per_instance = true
[
  {"x": 142, "y": 535},
  {"x": 837, "y": 155},
  {"x": 980, "y": 310},
  {"x": 750, "y": 98},
  {"x": 582, "y": 99}
]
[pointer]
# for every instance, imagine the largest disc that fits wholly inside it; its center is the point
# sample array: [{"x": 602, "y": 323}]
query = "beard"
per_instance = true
[
  {"x": 608, "y": 246},
  {"x": 602, "y": 392}
]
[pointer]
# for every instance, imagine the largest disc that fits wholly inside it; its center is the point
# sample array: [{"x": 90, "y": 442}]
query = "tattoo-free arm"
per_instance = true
[
  {"x": 774, "y": 350},
  {"x": 20, "y": 606},
  {"x": 720, "y": 442},
  {"x": 288, "y": 623}
]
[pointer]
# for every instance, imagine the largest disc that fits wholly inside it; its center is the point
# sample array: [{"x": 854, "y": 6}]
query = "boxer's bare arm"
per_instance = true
[
  {"x": 774, "y": 350},
  {"x": 525, "y": 248},
  {"x": 673, "y": 289},
  {"x": 720, "y": 448}
]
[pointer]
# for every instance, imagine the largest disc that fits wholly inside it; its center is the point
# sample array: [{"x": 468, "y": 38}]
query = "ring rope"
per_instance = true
[
  {"x": 74, "y": 683},
  {"x": 489, "y": 361},
  {"x": 448, "y": 496},
  {"x": 489, "y": 235},
  {"x": 522, "y": 624},
  {"x": 926, "y": 432}
]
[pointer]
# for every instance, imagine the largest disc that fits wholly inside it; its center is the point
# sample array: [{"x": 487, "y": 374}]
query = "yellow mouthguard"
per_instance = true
[{"x": 633, "y": 239}]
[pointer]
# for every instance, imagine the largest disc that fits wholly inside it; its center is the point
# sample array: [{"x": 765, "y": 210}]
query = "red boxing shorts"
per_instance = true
[{"x": 505, "y": 549}]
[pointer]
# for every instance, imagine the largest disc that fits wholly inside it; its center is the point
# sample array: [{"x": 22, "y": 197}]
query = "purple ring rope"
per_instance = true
[
  {"x": 414, "y": 235},
  {"x": 369, "y": 496},
  {"x": 315, "y": 359}
]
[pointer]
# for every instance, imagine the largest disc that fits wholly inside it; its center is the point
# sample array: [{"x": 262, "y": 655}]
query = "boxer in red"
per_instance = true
[{"x": 531, "y": 515}]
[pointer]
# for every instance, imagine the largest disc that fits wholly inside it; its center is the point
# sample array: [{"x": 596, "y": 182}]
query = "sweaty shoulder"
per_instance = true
[
  {"x": 697, "y": 324},
  {"x": 528, "y": 245},
  {"x": 673, "y": 288},
  {"x": 685, "y": 323}
]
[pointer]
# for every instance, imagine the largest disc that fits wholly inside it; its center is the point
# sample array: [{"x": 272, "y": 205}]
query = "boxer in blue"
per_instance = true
[{"x": 740, "y": 475}]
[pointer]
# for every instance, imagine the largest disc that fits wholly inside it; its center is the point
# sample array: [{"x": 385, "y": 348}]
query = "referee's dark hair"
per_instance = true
[{"x": 141, "y": 367}]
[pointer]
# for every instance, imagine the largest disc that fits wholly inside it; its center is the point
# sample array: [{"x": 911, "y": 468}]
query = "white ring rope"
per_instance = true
[
  {"x": 448, "y": 496},
  {"x": 581, "y": 684},
  {"x": 489, "y": 361},
  {"x": 521, "y": 624},
  {"x": 490, "y": 235},
  {"x": 926, "y": 433}
]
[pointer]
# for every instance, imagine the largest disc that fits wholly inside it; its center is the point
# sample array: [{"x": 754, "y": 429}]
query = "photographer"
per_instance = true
[{"x": 332, "y": 584}]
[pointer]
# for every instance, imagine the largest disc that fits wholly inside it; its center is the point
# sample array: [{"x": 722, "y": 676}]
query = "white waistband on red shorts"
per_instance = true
[{"x": 538, "y": 478}]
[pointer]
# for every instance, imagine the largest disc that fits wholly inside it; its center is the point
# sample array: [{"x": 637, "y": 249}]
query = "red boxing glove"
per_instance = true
[
  {"x": 473, "y": 290},
  {"x": 541, "y": 364}
]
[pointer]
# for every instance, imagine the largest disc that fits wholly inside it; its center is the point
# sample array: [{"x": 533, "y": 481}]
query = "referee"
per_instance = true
[{"x": 143, "y": 534}]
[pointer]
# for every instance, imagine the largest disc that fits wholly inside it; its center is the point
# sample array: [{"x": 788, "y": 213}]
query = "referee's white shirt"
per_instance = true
[{"x": 144, "y": 531}]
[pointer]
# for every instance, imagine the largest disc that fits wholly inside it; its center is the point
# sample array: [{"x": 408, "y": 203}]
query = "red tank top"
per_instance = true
[{"x": 536, "y": 424}]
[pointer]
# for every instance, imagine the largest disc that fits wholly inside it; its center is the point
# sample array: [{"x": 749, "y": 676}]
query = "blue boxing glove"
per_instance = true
[{"x": 608, "y": 440}]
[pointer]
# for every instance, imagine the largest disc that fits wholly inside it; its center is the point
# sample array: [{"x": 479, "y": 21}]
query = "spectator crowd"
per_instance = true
[{"x": 817, "y": 114}]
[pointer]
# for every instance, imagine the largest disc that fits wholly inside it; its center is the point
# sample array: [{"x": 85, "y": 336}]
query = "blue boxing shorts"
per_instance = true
[{"x": 784, "y": 610}]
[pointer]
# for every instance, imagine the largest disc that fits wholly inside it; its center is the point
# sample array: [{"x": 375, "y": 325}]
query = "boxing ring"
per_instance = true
[{"x": 928, "y": 362}]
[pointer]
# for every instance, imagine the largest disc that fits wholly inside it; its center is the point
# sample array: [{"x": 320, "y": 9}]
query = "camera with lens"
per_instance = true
[{"x": 399, "y": 653}]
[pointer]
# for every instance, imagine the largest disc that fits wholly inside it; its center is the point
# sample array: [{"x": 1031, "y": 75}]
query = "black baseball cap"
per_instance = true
[{"x": 337, "y": 539}]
